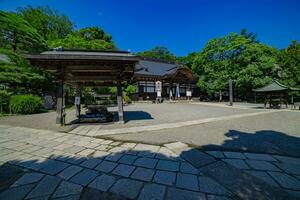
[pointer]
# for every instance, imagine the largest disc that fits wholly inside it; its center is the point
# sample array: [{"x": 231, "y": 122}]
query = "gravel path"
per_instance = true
[{"x": 273, "y": 133}]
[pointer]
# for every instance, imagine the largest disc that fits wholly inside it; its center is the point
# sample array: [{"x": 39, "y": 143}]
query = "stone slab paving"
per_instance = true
[{"x": 64, "y": 166}]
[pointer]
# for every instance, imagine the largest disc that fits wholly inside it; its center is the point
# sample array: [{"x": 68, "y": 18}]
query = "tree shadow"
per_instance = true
[
  {"x": 263, "y": 141},
  {"x": 95, "y": 165}
]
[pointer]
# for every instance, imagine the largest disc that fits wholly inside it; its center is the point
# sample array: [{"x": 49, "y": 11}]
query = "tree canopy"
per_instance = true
[
  {"x": 74, "y": 41},
  {"x": 290, "y": 64},
  {"x": 48, "y": 23},
  {"x": 158, "y": 52},
  {"x": 249, "y": 63},
  {"x": 16, "y": 33}
]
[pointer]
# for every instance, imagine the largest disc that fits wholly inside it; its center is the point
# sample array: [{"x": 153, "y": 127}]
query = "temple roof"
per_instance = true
[
  {"x": 155, "y": 68},
  {"x": 275, "y": 86}
]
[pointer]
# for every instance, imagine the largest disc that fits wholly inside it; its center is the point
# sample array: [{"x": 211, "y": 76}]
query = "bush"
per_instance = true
[
  {"x": 25, "y": 104},
  {"x": 4, "y": 100},
  {"x": 127, "y": 99}
]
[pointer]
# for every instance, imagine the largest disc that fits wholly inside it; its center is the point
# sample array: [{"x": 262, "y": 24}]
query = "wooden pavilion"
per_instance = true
[
  {"x": 86, "y": 68},
  {"x": 275, "y": 93}
]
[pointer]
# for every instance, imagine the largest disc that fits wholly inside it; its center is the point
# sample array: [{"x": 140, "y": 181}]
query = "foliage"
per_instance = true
[
  {"x": 86, "y": 38},
  {"x": 48, "y": 23},
  {"x": 187, "y": 60},
  {"x": 25, "y": 104},
  {"x": 75, "y": 41},
  {"x": 4, "y": 100},
  {"x": 16, "y": 33},
  {"x": 19, "y": 77},
  {"x": 249, "y": 63},
  {"x": 290, "y": 64},
  {"x": 127, "y": 99},
  {"x": 94, "y": 33},
  {"x": 161, "y": 53},
  {"x": 130, "y": 89}
]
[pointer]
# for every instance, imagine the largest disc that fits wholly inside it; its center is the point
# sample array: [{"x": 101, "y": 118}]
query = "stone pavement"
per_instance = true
[{"x": 66, "y": 166}]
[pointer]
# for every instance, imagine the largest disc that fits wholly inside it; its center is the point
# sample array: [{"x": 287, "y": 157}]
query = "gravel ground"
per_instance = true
[
  {"x": 269, "y": 133},
  {"x": 138, "y": 114},
  {"x": 44, "y": 121}
]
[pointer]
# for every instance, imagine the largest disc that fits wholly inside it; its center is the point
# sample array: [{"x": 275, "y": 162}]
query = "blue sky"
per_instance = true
[{"x": 181, "y": 26}]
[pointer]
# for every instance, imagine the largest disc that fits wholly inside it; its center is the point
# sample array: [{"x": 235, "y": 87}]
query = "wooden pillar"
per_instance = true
[
  {"x": 171, "y": 90},
  {"x": 230, "y": 93},
  {"x": 60, "y": 103},
  {"x": 78, "y": 100},
  {"x": 120, "y": 102}
]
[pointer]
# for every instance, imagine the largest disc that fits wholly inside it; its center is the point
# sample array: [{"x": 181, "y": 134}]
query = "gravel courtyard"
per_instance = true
[{"x": 139, "y": 114}]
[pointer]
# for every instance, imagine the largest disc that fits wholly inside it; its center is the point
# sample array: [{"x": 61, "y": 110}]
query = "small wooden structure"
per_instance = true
[
  {"x": 275, "y": 94},
  {"x": 86, "y": 68}
]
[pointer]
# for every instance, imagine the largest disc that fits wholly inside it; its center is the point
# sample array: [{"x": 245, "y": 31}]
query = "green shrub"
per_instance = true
[
  {"x": 127, "y": 99},
  {"x": 4, "y": 100},
  {"x": 25, "y": 104}
]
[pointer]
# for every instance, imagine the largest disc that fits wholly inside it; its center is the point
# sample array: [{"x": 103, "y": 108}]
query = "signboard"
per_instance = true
[
  {"x": 188, "y": 93},
  {"x": 158, "y": 86},
  {"x": 77, "y": 100},
  {"x": 158, "y": 94}
]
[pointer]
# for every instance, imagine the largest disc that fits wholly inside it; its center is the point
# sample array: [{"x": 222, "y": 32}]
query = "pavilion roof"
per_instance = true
[
  {"x": 275, "y": 86},
  {"x": 87, "y": 66}
]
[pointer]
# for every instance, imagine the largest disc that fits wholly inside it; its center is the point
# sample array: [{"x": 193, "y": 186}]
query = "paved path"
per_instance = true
[
  {"x": 93, "y": 130},
  {"x": 65, "y": 166}
]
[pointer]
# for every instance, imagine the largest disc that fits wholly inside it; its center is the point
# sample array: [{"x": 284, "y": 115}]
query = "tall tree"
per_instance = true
[
  {"x": 49, "y": 23},
  {"x": 187, "y": 60},
  {"x": 17, "y": 76},
  {"x": 290, "y": 64},
  {"x": 80, "y": 40},
  {"x": 236, "y": 57},
  {"x": 94, "y": 33},
  {"x": 17, "y": 33},
  {"x": 159, "y": 52}
]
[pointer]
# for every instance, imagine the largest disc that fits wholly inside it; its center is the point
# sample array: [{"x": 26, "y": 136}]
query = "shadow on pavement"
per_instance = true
[
  {"x": 77, "y": 177},
  {"x": 263, "y": 141}
]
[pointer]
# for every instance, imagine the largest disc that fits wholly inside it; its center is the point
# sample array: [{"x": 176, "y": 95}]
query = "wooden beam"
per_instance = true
[
  {"x": 120, "y": 102},
  {"x": 60, "y": 103},
  {"x": 77, "y": 97}
]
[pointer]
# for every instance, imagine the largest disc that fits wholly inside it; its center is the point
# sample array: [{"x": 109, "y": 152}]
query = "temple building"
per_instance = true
[{"x": 177, "y": 81}]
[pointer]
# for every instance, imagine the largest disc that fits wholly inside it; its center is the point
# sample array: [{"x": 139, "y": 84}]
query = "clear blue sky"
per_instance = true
[{"x": 181, "y": 26}]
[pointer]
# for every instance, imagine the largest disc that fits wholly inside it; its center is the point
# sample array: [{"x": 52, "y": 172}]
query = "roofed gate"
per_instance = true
[{"x": 87, "y": 68}]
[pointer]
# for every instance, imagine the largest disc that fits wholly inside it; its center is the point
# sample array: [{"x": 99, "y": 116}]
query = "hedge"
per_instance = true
[{"x": 25, "y": 104}]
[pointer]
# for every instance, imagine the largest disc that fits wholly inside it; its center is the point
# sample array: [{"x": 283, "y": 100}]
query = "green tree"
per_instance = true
[
  {"x": 187, "y": 60},
  {"x": 249, "y": 63},
  {"x": 49, "y": 23},
  {"x": 159, "y": 52},
  {"x": 78, "y": 41},
  {"x": 17, "y": 34},
  {"x": 18, "y": 77},
  {"x": 290, "y": 64},
  {"x": 94, "y": 33}
]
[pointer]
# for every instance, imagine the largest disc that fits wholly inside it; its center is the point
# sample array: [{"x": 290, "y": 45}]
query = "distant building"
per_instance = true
[{"x": 174, "y": 77}]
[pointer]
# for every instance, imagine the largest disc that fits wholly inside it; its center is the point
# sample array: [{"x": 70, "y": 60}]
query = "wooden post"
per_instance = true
[
  {"x": 220, "y": 96},
  {"x": 120, "y": 102},
  {"x": 78, "y": 100},
  {"x": 230, "y": 93},
  {"x": 60, "y": 103}
]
